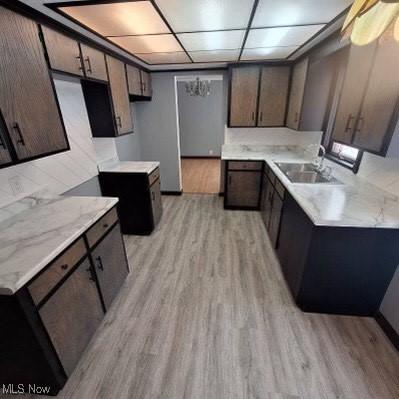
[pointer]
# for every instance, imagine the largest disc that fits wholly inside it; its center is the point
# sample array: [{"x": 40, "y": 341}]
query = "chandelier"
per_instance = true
[
  {"x": 197, "y": 87},
  {"x": 367, "y": 20}
]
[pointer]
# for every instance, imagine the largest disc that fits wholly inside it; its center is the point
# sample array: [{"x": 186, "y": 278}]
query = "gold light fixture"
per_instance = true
[{"x": 369, "y": 19}]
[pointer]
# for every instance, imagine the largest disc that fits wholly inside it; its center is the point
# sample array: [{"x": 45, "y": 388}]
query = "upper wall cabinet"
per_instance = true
[
  {"x": 273, "y": 96},
  {"x": 120, "y": 95},
  {"x": 367, "y": 115},
  {"x": 27, "y": 97},
  {"x": 146, "y": 84},
  {"x": 134, "y": 80},
  {"x": 267, "y": 109},
  {"x": 94, "y": 63},
  {"x": 298, "y": 82},
  {"x": 63, "y": 52},
  {"x": 244, "y": 96}
]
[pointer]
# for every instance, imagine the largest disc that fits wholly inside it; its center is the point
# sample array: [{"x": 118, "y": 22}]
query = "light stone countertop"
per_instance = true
[
  {"x": 356, "y": 203},
  {"x": 32, "y": 238},
  {"x": 128, "y": 166}
]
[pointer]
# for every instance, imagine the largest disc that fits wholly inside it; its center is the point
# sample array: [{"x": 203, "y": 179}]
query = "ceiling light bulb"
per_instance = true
[{"x": 371, "y": 25}]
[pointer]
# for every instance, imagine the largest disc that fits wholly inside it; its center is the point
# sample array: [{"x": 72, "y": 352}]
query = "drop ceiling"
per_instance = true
[{"x": 188, "y": 32}]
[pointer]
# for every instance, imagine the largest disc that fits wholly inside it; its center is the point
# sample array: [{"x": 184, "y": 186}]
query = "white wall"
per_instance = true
[{"x": 59, "y": 172}]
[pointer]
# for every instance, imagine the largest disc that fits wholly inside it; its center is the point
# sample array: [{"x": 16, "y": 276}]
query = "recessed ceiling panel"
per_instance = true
[
  {"x": 227, "y": 40},
  {"x": 215, "y": 55},
  {"x": 277, "y": 37},
  {"x": 267, "y": 53},
  {"x": 148, "y": 43},
  {"x": 200, "y": 15},
  {"x": 165, "y": 58},
  {"x": 118, "y": 19},
  {"x": 297, "y": 12}
]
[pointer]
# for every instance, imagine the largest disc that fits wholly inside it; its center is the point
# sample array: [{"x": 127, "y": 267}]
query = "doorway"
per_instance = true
[{"x": 201, "y": 121}]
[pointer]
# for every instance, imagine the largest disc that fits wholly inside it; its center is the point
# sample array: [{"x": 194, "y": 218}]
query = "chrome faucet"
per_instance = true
[{"x": 323, "y": 155}]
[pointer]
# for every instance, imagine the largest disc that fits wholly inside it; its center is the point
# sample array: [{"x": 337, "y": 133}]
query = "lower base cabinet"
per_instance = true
[{"x": 48, "y": 324}]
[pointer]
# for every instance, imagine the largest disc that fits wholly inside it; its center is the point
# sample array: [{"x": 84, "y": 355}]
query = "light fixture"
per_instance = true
[
  {"x": 369, "y": 19},
  {"x": 198, "y": 87}
]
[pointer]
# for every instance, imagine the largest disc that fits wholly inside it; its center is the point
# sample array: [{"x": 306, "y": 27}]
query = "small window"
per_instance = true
[{"x": 346, "y": 155}]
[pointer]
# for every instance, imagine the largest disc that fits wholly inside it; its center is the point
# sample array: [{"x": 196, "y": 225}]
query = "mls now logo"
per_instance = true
[{"x": 19, "y": 389}]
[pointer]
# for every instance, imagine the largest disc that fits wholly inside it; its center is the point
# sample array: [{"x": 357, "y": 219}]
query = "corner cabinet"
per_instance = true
[
  {"x": 243, "y": 185},
  {"x": 298, "y": 82},
  {"x": 120, "y": 95},
  {"x": 28, "y": 101},
  {"x": 49, "y": 323},
  {"x": 368, "y": 108}
]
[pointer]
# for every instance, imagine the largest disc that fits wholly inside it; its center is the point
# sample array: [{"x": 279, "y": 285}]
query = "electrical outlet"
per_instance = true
[
  {"x": 16, "y": 185},
  {"x": 210, "y": 152}
]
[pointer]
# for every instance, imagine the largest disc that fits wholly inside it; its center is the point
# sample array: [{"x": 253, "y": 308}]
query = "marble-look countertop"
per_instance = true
[
  {"x": 128, "y": 166},
  {"x": 32, "y": 238},
  {"x": 355, "y": 203}
]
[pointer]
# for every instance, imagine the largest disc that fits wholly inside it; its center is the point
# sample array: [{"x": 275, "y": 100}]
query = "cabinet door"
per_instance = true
[
  {"x": 298, "y": 83},
  {"x": 273, "y": 96},
  {"x": 5, "y": 156},
  {"x": 94, "y": 63},
  {"x": 134, "y": 80},
  {"x": 356, "y": 75},
  {"x": 146, "y": 84},
  {"x": 72, "y": 315},
  {"x": 63, "y": 52},
  {"x": 243, "y": 189},
  {"x": 31, "y": 114},
  {"x": 274, "y": 225},
  {"x": 267, "y": 201},
  {"x": 111, "y": 265},
  {"x": 244, "y": 96},
  {"x": 381, "y": 97},
  {"x": 156, "y": 201},
  {"x": 120, "y": 95}
]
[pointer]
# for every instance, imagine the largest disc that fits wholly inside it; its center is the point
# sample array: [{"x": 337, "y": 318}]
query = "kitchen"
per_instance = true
[{"x": 116, "y": 280}]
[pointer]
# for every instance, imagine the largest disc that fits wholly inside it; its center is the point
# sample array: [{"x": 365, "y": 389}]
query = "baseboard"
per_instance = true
[
  {"x": 201, "y": 157},
  {"x": 171, "y": 192},
  {"x": 389, "y": 331}
]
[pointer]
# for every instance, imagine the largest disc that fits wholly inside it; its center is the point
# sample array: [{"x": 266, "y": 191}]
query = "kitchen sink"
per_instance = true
[{"x": 305, "y": 173}]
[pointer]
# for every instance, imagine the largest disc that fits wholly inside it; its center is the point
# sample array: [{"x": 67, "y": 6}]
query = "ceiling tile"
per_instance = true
[
  {"x": 226, "y": 40},
  {"x": 294, "y": 12},
  {"x": 278, "y": 37},
  {"x": 267, "y": 53},
  {"x": 194, "y": 15},
  {"x": 165, "y": 58},
  {"x": 215, "y": 55},
  {"x": 148, "y": 43},
  {"x": 118, "y": 19}
]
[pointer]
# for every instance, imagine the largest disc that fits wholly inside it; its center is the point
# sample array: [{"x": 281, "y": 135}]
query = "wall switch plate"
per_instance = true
[{"x": 16, "y": 185}]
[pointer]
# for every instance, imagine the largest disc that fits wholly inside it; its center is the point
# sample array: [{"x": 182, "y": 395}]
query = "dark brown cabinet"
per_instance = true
[
  {"x": 111, "y": 265},
  {"x": 297, "y": 91},
  {"x": 244, "y": 96},
  {"x": 63, "y": 52},
  {"x": 120, "y": 95},
  {"x": 94, "y": 63},
  {"x": 27, "y": 97},
  {"x": 243, "y": 185},
  {"x": 156, "y": 201},
  {"x": 5, "y": 156},
  {"x": 273, "y": 96},
  {"x": 72, "y": 315}
]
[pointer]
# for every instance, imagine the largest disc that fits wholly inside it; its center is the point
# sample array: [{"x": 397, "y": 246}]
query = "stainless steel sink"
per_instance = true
[{"x": 305, "y": 173}]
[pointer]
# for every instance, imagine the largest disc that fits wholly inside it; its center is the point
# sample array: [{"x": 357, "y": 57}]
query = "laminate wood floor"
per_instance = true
[
  {"x": 200, "y": 176},
  {"x": 205, "y": 314}
]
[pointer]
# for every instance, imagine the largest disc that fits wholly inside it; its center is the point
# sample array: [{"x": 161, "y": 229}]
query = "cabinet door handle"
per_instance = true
[
  {"x": 18, "y": 130},
  {"x": 348, "y": 123},
  {"x": 79, "y": 58},
  {"x": 89, "y": 69},
  {"x": 360, "y": 124},
  {"x": 91, "y": 274},
  {"x": 229, "y": 181},
  {"x": 119, "y": 121},
  {"x": 253, "y": 115},
  {"x": 64, "y": 266},
  {"x": 100, "y": 265}
]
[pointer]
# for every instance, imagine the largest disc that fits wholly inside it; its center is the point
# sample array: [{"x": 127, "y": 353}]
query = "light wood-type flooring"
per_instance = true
[
  {"x": 200, "y": 176},
  {"x": 206, "y": 314}
]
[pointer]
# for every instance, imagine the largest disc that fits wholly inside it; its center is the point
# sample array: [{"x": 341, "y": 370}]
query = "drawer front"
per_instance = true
[
  {"x": 245, "y": 165},
  {"x": 153, "y": 176},
  {"x": 101, "y": 227},
  {"x": 272, "y": 176},
  {"x": 42, "y": 285},
  {"x": 280, "y": 188}
]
